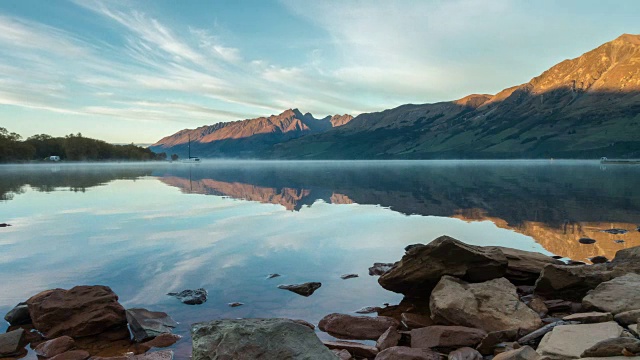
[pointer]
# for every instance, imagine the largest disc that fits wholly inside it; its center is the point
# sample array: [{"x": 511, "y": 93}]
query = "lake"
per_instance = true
[{"x": 149, "y": 229}]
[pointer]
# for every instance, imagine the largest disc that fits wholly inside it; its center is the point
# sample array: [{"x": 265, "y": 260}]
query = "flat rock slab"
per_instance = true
[
  {"x": 19, "y": 315},
  {"x": 56, "y": 346},
  {"x": 524, "y": 353},
  {"x": 493, "y": 305},
  {"x": 354, "y": 348},
  {"x": 191, "y": 297},
  {"x": 12, "y": 343},
  {"x": 422, "y": 267},
  {"x": 407, "y": 353},
  {"x": 306, "y": 289},
  {"x": 589, "y": 317},
  {"x": 447, "y": 337},
  {"x": 615, "y": 296},
  {"x": 247, "y": 339},
  {"x": 628, "y": 317},
  {"x": 570, "y": 341},
  {"x": 77, "y": 312},
  {"x": 345, "y": 326},
  {"x": 613, "y": 347},
  {"x": 389, "y": 338},
  {"x": 145, "y": 324}
]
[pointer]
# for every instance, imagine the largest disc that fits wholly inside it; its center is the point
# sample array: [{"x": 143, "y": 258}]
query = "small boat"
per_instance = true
[
  {"x": 604, "y": 160},
  {"x": 191, "y": 159}
]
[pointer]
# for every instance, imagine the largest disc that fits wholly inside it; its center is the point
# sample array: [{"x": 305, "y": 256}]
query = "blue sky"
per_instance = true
[{"x": 135, "y": 71}]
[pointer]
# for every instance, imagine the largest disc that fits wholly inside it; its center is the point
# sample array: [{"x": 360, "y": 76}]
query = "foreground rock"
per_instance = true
[
  {"x": 354, "y": 348},
  {"x": 446, "y": 337},
  {"x": 389, "y": 338},
  {"x": 422, "y": 267},
  {"x": 246, "y": 339},
  {"x": 573, "y": 282},
  {"x": 19, "y": 315},
  {"x": 145, "y": 324},
  {"x": 524, "y": 267},
  {"x": 492, "y": 305},
  {"x": 56, "y": 346},
  {"x": 162, "y": 341},
  {"x": 407, "y": 353},
  {"x": 524, "y": 353},
  {"x": 489, "y": 342},
  {"x": 570, "y": 341},
  {"x": 12, "y": 343},
  {"x": 618, "y": 295},
  {"x": 613, "y": 347},
  {"x": 589, "y": 318},
  {"x": 72, "y": 355},
  {"x": 306, "y": 289},
  {"x": 628, "y": 317},
  {"x": 465, "y": 353},
  {"x": 191, "y": 297},
  {"x": 77, "y": 312},
  {"x": 345, "y": 326}
]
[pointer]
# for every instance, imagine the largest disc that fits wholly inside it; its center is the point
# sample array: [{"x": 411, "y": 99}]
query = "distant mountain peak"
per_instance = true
[{"x": 628, "y": 38}]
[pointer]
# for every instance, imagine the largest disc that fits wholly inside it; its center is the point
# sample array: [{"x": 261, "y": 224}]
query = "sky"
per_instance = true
[{"x": 135, "y": 71}]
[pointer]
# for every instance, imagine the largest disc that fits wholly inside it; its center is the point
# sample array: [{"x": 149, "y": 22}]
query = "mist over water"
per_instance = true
[{"x": 146, "y": 229}]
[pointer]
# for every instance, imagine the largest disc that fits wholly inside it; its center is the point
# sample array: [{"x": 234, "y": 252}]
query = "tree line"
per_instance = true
[{"x": 73, "y": 147}]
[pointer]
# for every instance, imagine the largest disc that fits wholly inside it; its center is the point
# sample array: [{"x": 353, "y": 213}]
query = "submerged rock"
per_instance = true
[
  {"x": 145, "y": 324},
  {"x": 4, "y": 225},
  {"x": 380, "y": 268},
  {"x": 348, "y": 276},
  {"x": 77, "y": 312},
  {"x": 615, "y": 231},
  {"x": 235, "y": 304},
  {"x": 615, "y": 296},
  {"x": 12, "y": 343},
  {"x": 491, "y": 306},
  {"x": 19, "y": 315},
  {"x": 422, "y": 267},
  {"x": 162, "y": 341},
  {"x": 586, "y": 241},
  {"x": 191, "y": 297},
  {"x": 248, "y": 339},
  {"x": 618, "y": 241},
  {"x": 345, "y": 326},
  {"x": 306, "y": 289}
]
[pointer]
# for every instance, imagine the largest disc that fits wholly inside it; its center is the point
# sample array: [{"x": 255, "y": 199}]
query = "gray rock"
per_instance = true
[
  {"x": 368, "y": 310},
  {"x": 145, "y": 324},
  {"x": 489, "y": 342},
  {"x": 12, "y": 343},
  {"x": 613, "y": 347},
  {"x": 491, "y": 306},
  {"x": 628, "y": 317},
  {"x": 465, "y": 353},
  {"x": 271, "y": 276},
  {"x": 306, "y": 289},
  {"x": 570, "y": 341},
  {"x": 589, "y": 318},
  {"x": 348, "y": 276},
  {"x": 388, "y": 339},
  {"x": 523, "y": 353},
  {"x": 446, "y": 337},
  {"x": 380, "y": 268},
  {"x": 532, "y": 337},
  {"x": 191, "y": 297},
  {"x": 19, "y": 315},
  {"x": 345, "y": 326},
  {"x": 634, "y": 329},
  {"x": 407, "y": 353},
  {"x": 357, "y": 349},
  {"x": 421, "y": 268},
  {"x": 615, "y": 296},
  {"x": 246, "y": 339}
]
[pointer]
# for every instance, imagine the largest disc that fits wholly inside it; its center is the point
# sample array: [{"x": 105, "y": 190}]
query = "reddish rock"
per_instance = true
[
  {"x": 353, "y": 348},
  {"x": 450, "y": 337},
  {"x": 72, "y": 355},
  {"x": 162, "y": 340},
  {"x": 415, "y": 321},
  {"x": 345, "y": 326},
  {"x": 489, "y": 343},
  {"x": 537, "y": 304},
  {"x": 342, "y": 354},
  {"x": 407, "y": 353},
  {"x": 390, "y": 338},
  {"x": 56, "y": 346},
  {"x": 80, "y": 311}
]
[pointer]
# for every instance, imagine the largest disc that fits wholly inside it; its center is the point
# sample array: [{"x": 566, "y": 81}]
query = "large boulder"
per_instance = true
[
  {"x": 492, "y": 305},
  {"x": 422, "y": 267},
  {"x": 145, "y": 324},
  {"x": 446, "y": 337},
  {"x": 19, "y": 315},
  {"x": 616, "y": 296},
  {"x": 345, "y": 326},
  {"x": 80, "y": 311},
  {"x": 407, "y": 353},
  {"x": 570, "y": 341},
  {"x": 12, "y": 343},
  {"x": 245, "y": 339},
  {"x": 572, "y": 282},
  {"x": 524, "y": 267}
]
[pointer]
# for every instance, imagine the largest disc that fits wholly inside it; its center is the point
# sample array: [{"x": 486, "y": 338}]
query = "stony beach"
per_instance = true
[{"x": 461, "y": 302}]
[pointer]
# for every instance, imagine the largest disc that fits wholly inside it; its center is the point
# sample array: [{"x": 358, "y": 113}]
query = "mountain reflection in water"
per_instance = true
[{"x": 555, "y": 204}]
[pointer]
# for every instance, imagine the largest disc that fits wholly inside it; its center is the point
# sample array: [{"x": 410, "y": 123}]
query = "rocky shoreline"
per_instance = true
[{"x": 461, "y": 302}]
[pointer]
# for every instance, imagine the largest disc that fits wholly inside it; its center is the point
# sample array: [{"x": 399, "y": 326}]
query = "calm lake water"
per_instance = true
[{"x": 149, "y": 229}]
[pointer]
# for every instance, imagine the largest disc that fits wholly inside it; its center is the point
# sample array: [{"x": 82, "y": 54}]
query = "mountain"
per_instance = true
[
  {"x": 585, "y": 107},
  {"x": 247, "y": 138}
]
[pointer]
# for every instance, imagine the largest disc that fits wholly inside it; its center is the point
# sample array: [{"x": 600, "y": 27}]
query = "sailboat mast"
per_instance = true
[{"x": 189, "y": 146}]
